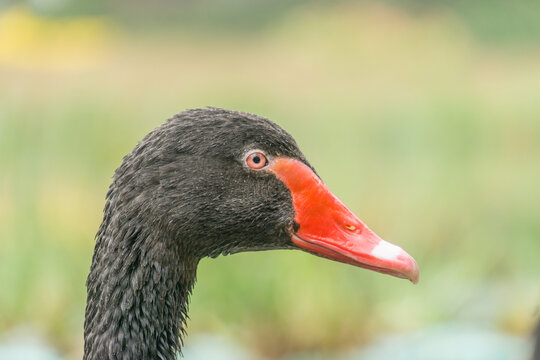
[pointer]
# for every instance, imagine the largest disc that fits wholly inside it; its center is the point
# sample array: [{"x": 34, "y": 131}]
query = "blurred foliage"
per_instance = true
[
  {"x": 426, "y": 132},
  {"x": 30, "y": 41},
  {"x": 498, "y": 21}
]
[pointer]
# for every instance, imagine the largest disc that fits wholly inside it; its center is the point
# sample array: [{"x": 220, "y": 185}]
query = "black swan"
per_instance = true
[{"x": 208, "y": 182}]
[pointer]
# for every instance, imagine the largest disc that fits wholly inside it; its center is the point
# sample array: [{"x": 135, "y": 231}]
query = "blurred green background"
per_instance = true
[{"x": 423, "y": 117}]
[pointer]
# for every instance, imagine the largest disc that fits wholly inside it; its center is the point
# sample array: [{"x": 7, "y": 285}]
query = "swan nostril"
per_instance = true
[{"x": 350, "y": 227}]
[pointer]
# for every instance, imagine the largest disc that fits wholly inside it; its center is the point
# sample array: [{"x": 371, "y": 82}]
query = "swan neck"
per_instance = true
[{"x": 138, "y": 292}]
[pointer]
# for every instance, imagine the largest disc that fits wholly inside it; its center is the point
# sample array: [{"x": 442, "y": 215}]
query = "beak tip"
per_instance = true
[
  {"x": 414, "y": 274},
  {"x": 396, "y": 258}
]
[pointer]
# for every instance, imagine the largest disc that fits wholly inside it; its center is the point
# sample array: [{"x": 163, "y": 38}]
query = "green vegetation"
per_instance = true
[
  {"x": 496, "y": 21},
  {"x": 429, "y": 135}
]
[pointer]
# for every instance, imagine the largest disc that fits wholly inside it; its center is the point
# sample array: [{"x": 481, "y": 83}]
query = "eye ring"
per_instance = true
[{"x": 256, "y": 160}]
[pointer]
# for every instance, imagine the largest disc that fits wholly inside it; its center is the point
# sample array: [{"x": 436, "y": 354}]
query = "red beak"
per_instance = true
[{"x": 329, "y": 229}]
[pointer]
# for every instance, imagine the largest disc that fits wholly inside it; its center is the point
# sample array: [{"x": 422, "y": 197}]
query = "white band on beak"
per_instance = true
[{"x": 385, "y": 250}]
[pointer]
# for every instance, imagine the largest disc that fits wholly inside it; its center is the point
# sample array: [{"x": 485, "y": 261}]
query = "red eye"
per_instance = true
[{"x": 256, "y": 160}]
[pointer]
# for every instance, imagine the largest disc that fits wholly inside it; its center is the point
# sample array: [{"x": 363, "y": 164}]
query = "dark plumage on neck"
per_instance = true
[
  {"x": 137, "y": 297},
  {"x": 180, "y": 195}
]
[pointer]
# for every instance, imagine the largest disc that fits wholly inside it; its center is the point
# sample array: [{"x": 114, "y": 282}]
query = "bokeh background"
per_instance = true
[{"x": 424, "y": 117}]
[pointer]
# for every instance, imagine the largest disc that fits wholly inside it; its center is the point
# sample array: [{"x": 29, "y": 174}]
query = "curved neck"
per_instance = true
[{"x": 137, "y": 296}]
